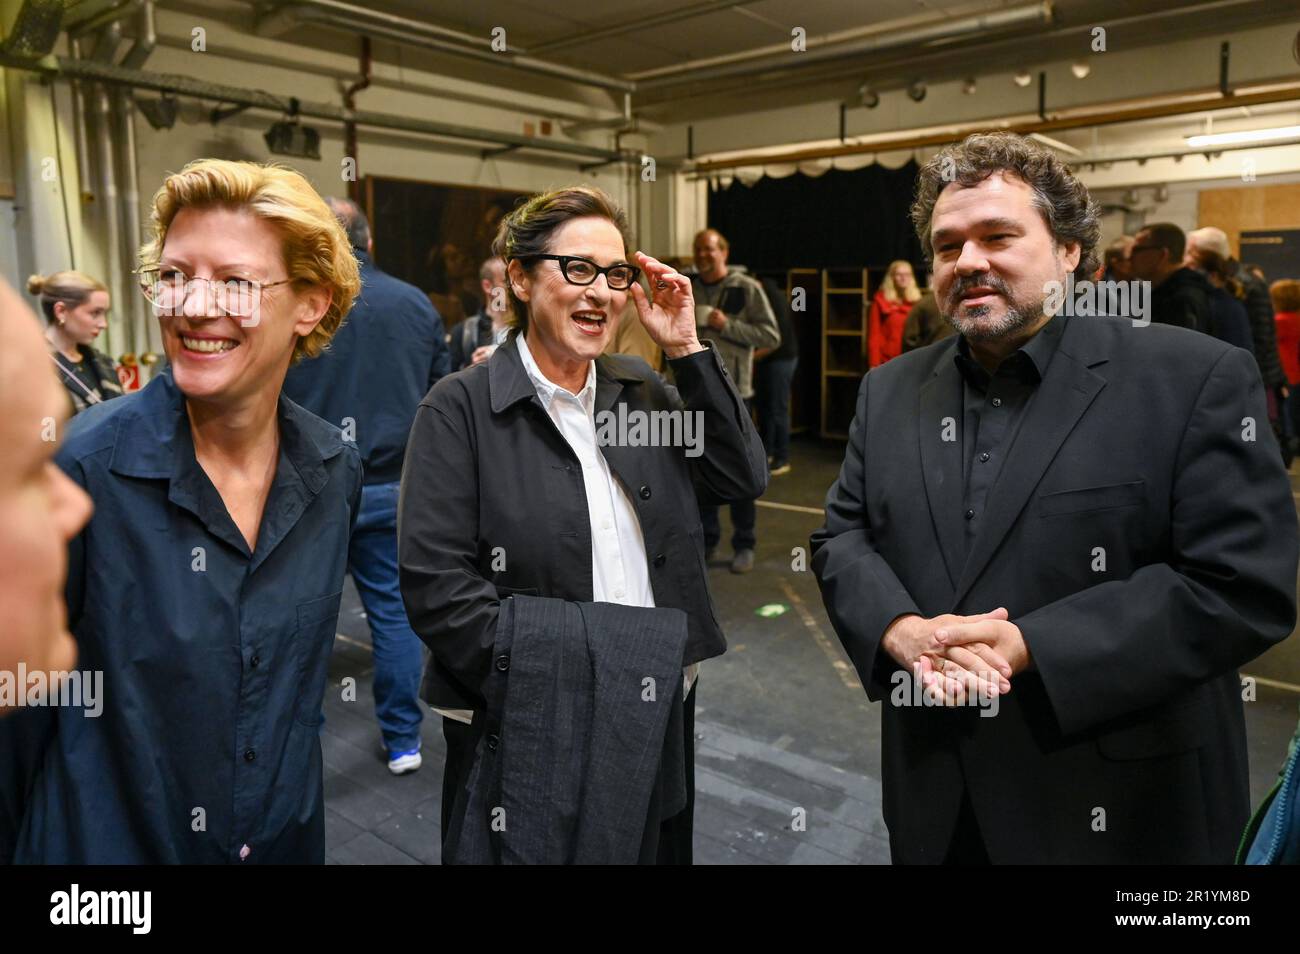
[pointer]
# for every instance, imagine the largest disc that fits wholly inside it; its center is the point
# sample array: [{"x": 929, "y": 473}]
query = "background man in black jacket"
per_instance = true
[
  {"x": 383, "y": 360},
  {"x": 1180, "y": 296},
  {"x": 1088, "y": 513}
]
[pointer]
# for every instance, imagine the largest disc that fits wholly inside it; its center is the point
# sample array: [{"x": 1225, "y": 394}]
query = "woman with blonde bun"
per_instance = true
[{"x": 76, "y": 311}]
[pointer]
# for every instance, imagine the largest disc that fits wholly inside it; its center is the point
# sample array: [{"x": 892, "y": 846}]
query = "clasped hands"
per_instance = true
[{"x": 957, "y": 658}]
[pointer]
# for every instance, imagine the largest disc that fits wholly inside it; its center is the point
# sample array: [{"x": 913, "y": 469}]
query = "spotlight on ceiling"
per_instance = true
[
  {"x": 916, "y": 92},
  {"x": 291, "y": 138},
  {"x": 868, "y": 97},
  {"x": 1023, "y": 78},
  {"x": 1080, "y": 69},
  {"x": 161, "y": 112},
  {"x": 968, "y": 86}
]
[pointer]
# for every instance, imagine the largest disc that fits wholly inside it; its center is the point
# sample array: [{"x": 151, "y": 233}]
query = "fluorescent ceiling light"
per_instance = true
[{"x": 1246, "y": 135}]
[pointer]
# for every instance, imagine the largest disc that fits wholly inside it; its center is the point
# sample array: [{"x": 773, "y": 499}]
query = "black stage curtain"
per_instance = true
[{"x": 835, "y": 220}]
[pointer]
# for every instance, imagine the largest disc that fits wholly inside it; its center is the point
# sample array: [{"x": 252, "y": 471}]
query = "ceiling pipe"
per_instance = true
[
  {"x": 675, "y": 17},
  {"x": 146, "y": 36},
  {"x": 140, "y": 328},
  {"x": 751, "y": 62},
  {"x": 350, "y": 144},
  {"x": 624, "y": 121},
  {"x": 410, "y": 32},
  {"x": 62, "y": 66},
  {"x": 81, "y": 137}
]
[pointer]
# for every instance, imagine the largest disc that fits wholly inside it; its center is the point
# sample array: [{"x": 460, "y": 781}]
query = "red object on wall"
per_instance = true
[{"x": 128, "y": 373}]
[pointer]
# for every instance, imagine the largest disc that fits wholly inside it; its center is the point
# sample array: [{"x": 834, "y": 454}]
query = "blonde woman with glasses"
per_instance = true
[{"x": 206, "y": 587}]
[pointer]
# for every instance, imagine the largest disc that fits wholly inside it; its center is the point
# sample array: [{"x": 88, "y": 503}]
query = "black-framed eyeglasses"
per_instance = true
[
  {"x": 167, "y": 290},
  {"x": 583, "y": 271}
]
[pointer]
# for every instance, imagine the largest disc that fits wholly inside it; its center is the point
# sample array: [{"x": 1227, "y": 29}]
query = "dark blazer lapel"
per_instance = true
[
  {"x": 611, "y": 388},
  {"x": 1063, "y": 396},
  {"x": 941, "y": 464}
]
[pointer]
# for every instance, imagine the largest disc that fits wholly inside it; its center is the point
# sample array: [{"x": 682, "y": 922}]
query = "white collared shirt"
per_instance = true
[{"x": 619, "y": 570}]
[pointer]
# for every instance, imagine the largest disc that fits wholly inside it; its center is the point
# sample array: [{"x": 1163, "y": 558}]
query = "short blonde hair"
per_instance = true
[{"x": 316, "y": 250}]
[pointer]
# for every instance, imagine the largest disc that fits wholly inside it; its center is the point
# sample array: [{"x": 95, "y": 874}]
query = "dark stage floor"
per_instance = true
[{"x": 781, "y": 720}]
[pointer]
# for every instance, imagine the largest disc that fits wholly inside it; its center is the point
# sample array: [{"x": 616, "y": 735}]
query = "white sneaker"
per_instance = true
[{"x": 402, "y": 763}]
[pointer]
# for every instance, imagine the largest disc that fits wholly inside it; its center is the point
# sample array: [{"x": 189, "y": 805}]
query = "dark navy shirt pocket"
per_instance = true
[{"x": 314, "y": 640}]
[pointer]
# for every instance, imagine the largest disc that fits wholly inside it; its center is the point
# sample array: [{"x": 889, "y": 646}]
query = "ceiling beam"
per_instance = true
[{"x": 1075, "y": 119}]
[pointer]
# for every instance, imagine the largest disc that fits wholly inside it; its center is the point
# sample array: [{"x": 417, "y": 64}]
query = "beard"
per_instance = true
[{"x": 971, "y": 323}]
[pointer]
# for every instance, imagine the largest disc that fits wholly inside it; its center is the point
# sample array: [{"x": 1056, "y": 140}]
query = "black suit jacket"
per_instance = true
[
  {"x": 573, "y": 745},
  {"x": 1142, "y": 536},
  {"x": 493, "y": 505}
]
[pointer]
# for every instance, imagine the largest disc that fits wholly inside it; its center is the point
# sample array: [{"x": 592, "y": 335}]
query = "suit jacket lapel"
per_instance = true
[
  {"x": 1062, "y": 397},
  {"x": 941, "y": 460}
]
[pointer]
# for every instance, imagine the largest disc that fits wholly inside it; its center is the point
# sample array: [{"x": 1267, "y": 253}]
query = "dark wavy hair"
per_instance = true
[
  {"x": 1063, "y": 200},
  {"x": 526, "y": 231}
]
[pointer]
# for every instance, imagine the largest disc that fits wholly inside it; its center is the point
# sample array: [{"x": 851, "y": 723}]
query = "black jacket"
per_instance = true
[
  {"x": 1228, "y": 319},
  {"x": 1183, "y": 299},
  {"x": 479, "y": 329},
  {"x": 584, "y": 720},
  {"x": 1263, "y": 328},
  {"x": 95, "y": 365},
  {"x": 386, "y": 356},
  {"x": 1142, "y": 536},
  {"x": 493, "y": 504},
  {"x": 780, "y": 302}
]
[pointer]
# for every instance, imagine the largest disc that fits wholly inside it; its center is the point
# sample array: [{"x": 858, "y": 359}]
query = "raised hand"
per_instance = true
[{"x": 668, "y": 315}]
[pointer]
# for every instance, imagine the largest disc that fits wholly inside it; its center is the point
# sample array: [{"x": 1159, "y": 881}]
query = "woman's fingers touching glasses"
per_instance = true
[{"x": 663, "y": 278}]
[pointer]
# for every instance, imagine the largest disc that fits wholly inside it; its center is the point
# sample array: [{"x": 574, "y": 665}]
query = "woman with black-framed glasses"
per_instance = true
[{"x": 514, "y": 485}]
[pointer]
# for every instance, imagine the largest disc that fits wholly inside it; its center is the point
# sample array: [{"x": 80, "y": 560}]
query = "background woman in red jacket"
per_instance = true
[
  {"x": 898, "y": 293},
  {"x": 1286, "y": 312}
]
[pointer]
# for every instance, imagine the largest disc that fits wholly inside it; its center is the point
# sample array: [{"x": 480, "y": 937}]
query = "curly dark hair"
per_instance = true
[{"x": 1063, "y": 200}]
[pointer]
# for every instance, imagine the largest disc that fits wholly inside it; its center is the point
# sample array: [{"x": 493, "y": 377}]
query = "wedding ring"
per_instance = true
[{"x": 661, "y": 284}]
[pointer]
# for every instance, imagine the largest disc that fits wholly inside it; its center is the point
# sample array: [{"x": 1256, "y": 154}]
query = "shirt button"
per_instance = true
[
  {"x": 618, "y": 594},
  {"x": 970, "y": 514},
  {"x": 503, "y": 662},
  {"x": 644, "y": 492},
  {"x": 492, "y": 742},
  {"x": 659, "y": 559},
  {"x": 249, "y": 755},
  {"x": 984, "y": 456},
  {"x": 255, "y": 661},
  {"x": 604, "y": 524},
  {"x": 997, "y": 402},
  {"x": 244, "y": 852}
]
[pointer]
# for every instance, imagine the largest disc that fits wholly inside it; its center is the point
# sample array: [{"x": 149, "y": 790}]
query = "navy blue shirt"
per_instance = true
[
  {"x": 379, "y": 365},
  {"x": 214, "y": 659}
]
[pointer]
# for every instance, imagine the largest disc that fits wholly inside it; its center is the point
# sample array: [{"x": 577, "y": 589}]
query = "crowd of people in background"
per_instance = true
[{"x": 287, "y": 452}]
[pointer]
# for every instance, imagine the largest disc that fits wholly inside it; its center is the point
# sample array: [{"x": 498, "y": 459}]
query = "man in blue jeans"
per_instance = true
[{"x": 383, "y": 360}]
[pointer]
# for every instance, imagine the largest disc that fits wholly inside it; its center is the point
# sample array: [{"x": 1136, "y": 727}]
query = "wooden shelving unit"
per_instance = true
[{"x": 846, "y": 303}]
